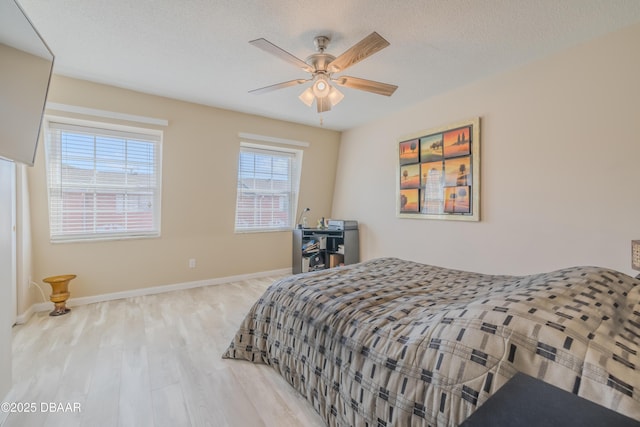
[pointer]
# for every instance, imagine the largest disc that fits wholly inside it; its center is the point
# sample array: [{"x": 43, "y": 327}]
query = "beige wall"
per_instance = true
[
  {"x": 559, "y": 180},
  {"x": 560, "y": 150},
  {"x": 200, "y": 152}
]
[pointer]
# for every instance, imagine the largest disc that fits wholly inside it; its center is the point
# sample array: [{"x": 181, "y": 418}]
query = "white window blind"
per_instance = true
[
  {"x": 267, "y": 190},
  {"x": 103, "y": 183}
]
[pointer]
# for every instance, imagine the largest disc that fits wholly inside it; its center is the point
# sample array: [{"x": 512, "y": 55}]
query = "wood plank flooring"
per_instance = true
[{"x": 151, "y": 361}]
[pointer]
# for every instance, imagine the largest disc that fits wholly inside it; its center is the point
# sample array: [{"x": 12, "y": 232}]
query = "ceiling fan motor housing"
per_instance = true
[
  {"x": 319, "y": 62},
  {"x": 321, "y": 43}
]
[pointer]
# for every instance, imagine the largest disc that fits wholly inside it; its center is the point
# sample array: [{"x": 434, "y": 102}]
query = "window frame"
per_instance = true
[
  {"x": 149, "y": 135},
  {"x": 295, "y": 176}
]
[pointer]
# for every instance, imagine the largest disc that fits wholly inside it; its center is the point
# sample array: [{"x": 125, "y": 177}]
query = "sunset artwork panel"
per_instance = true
[
  {"x": 409, "y": 200},
  {"x": 410, "y": 176},
  {"x": 457, "y": 143},
  {"x": 456, "y": 199},
  {"x": 431, "y": 148},
  {"x": 457, "y": 171},
  {"x": 432, "y": 188},
  {"x": 430, "y": 173},
  {"x": 409, "y": 151}
]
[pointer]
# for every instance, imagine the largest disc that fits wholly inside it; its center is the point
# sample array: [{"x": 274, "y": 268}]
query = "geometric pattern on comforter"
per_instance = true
[{"x": 393, "y": 342}]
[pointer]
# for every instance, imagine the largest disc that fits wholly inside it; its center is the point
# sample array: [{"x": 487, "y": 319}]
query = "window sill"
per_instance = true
[
  {"x": 95, "y": 239},
  {"x": 262, "y": 230}
]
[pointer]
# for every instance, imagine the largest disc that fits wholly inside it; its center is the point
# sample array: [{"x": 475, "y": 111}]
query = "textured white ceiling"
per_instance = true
[{"x": 198, "y": 50}]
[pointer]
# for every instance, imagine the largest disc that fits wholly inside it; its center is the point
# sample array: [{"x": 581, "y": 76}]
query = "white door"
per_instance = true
[{"x": 8, "y": 237}]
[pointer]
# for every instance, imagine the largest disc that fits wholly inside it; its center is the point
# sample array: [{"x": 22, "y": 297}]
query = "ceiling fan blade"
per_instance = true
[
  {"x": 366, "y": 47},
  {"x": 271, "y": 48},
  {"x": 323, "y": 104},
  {"x": 278, "y": 86},
  {"x": 367, "y": 85}
]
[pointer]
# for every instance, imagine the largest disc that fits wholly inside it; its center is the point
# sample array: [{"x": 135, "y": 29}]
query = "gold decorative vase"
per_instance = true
[{"x": 60, "y": 293}]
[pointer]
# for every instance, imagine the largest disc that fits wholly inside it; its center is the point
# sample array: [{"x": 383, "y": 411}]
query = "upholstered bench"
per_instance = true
[{"x": 527, "y": 401}]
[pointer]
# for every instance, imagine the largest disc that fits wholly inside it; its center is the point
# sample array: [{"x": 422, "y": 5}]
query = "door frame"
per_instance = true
[{"x": 8, "y": 222}]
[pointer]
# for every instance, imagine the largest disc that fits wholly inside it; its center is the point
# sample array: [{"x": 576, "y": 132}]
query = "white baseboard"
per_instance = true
[
  {"x": 74, "y": 302},
  {"x": 24, "y": 317}
]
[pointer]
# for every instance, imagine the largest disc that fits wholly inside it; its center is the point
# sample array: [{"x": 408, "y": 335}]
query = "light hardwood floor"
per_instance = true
[{"x": 151, "y": 361}]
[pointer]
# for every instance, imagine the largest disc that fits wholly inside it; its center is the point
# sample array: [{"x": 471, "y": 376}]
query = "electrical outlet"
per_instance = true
[{"x": 192, "y": 263}]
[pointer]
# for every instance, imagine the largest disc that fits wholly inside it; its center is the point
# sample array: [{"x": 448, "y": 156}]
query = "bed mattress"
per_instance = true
[{"x": 394, "y": 342}]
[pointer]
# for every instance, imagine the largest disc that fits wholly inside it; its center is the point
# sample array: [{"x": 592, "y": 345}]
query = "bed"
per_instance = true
[{"x": 394, "y": 342}]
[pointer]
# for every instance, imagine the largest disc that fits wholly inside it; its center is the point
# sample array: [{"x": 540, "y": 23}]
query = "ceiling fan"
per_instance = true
[{"x": 322, "y": 66}]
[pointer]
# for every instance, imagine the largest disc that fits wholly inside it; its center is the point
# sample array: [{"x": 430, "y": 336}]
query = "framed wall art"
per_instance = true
[{"x": 438, "y": 173}]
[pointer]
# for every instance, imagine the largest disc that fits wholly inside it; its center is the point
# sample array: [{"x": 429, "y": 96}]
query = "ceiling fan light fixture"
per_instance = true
[
  {"x": 307, "y": 97},
  {"x": 321, "y": 87},
  {"x": 335, "y": 96},
  {"x": 323, "y": 104}
]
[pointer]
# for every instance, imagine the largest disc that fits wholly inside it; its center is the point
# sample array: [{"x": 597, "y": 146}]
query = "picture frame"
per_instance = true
[{"x": 438, "y": 173}]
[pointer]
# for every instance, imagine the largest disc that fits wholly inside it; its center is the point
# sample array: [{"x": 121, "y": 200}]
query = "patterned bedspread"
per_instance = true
[{"x": 392, "y": 342}]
